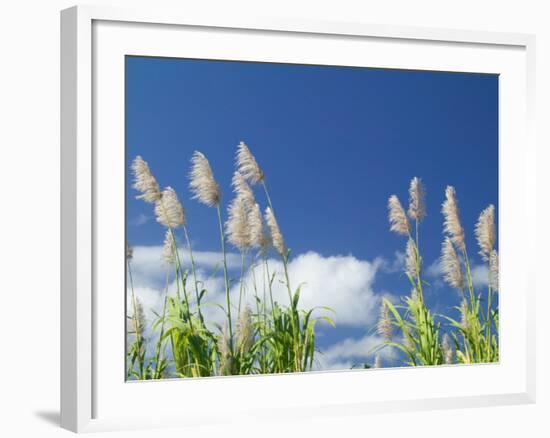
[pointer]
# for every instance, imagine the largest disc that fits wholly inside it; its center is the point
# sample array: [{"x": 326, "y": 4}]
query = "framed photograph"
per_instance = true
[{"x": 283, "y": 218}]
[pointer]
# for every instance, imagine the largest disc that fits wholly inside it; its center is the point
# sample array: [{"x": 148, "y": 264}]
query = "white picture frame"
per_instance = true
[{"x": 91, "y": 393}]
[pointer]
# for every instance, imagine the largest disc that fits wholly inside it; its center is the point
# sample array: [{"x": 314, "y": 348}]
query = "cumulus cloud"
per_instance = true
[
  {"x": 480, "y": 275},
  {"x": 353, "y": 352},
  {"x": 344, "y": 284},
  {"x": 395, "y": 265},
  {"x": 140, "y": 219}
]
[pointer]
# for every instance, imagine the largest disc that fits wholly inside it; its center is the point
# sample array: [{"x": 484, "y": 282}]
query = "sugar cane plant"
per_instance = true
[
  {"x": 425, "y": 338},
  {"x": 268, "y": 337}
]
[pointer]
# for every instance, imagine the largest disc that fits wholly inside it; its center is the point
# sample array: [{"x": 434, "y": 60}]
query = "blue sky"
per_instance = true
[{"x": 334, "y": 142}]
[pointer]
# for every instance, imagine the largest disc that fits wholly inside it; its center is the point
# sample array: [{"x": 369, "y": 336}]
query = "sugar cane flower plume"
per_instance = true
[
  {"x": 398, "y": 218},
  {"x": 202, "y": 183},
  {"x": 258, "y": 234},
  {"x": 493, "y": 270},
  {"x": 412, "y": 260},
  {"x": 237, "y": 228},
  {"x": 385, "y": 327},
  {"x": 245, "y": 332},
  {"x": 144, "y": 181},
  {"x": 224, "y": 348},
  {"x": 275, "y": 231},
  {"x": 242, "y": 189},
  {"x": 417, "y": 203},
  {"x": 169, "y": 248},
  {"x": 450, "y": 263},
  {"x": 247, "y": 165},
  {"x": 169, "y": 210},
  {"x": 138, "y": 319},
  {"x": 485, "y": 232},
  {"x": 451, "y": 224},
  {"x": 129, "y": 252},
  {"x": 464, "y": 319},
  {"x": 448, "y": 351}
]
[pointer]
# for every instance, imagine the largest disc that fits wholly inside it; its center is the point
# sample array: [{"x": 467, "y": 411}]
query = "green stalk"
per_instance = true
[
  {"x": 226, "y": 278},
  {"x": 194, "y": 270},
  {"x": 159, "y": 343},
  {"x": 137, "y": 330}
]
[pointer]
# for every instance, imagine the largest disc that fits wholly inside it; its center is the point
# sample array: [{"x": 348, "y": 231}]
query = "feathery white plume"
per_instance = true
[
  {"x": 448, "y": 351},
  {"x": 242, "y": 189},
  {"x": 236, "y": 227},
  {"x": 245, "y": 332},
  {"x": 384, "y": 326},
  {"x": 451, "y": 224},
  {"x": 417, "y": 204},
  {"x": 203, "y": 185},
  {"x": 450, "y": 263},
  {"x": 258, "y": 238},
  {"x": 169, "y": 210},
  {"x": 138, "y": 319},
  {"x": 276, "y": 235},
  {"x": 169, "y": 248},
  {"x": 412, "y": 261},
  {"x": 398, "y": 218},
  {"x": 247, "y": 164},
  {"x": 129, "y": 252},
  {"x": 224, "y": 348},
  {"x": 464, "y": 319},
  {"x": 144, "y": 181},
  {"x": 485, "y": 232}
]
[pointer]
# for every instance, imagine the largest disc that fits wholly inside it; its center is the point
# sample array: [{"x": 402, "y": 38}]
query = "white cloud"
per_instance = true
[
  {"x": 352, "y": 351},
  {"x": 396, "y": 265},
  {"x": 480, "y": 275},
  {"x": 140, "y": 219},
  {"x": 343, "y": 283}
]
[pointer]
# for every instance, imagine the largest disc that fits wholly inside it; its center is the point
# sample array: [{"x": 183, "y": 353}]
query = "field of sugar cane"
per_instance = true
[{"x": 280, "y": 337}]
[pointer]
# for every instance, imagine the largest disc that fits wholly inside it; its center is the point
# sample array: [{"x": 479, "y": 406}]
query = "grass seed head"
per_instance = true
[
  {"x": 385, "y": 327},
  {"x": 448, "y": 351},
  {"x": 169, "y": 210},
  {"x": 258, "y": 237},
  {"x": 412, "y": 260},
  {"x": 242, "y": 189},
  {"x": 245, "y": 332},
  {"x": 275, "y": 231},
  {"x": 451, "y": 223},
  {"x": 236, "y": 227},
  {"x": 129, "y": 252},
  {"x": 417, "y": 198},
  {"x": 247, "y": 164},
  {"x": 464, "y": 315},
  {"x": 450, "y": 263},
  {"x": 202, "y": 183},
  {"x": 144, "y": 181},
  {"x": 398, "y": 219},
  {"x": 485, "y": 232},
  {"x": 169, "y": 248}
]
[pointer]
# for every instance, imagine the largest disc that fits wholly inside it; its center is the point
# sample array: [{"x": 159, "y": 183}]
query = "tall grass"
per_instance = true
[
  {"x": 267, "y": 337},
  {"x": 426, "y": 338},
  {"x": 259, "y": 334}
]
